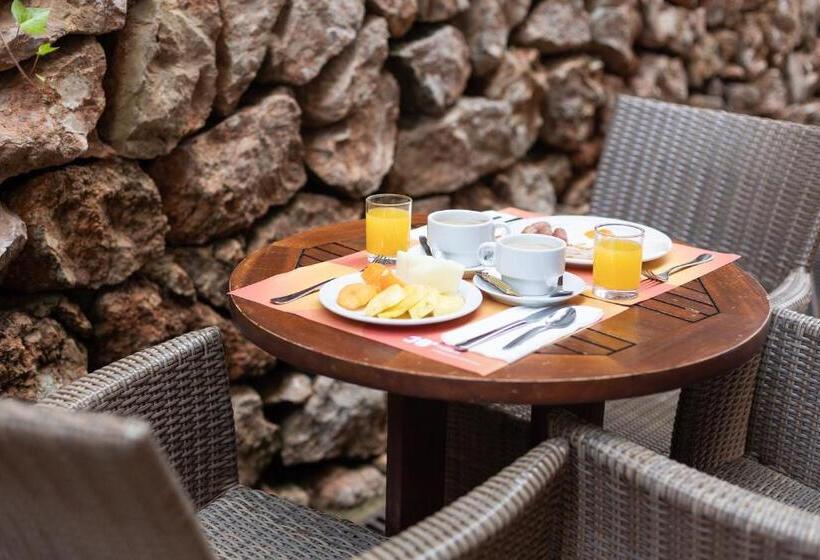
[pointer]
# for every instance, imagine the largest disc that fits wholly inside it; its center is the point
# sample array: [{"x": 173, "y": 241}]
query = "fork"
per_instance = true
[
  {"x": 664, "y": 276},
  {"x": 279, "y": 300}
]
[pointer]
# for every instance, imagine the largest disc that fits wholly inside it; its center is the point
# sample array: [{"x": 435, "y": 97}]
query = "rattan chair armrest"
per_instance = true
[
  {"x": 511, "y": 515},
  {"x": 795, "y": 292},
  {"x": 180, "y": 387},
  {"x": 624, "y": 500},
  {"x": 784, "y": 429}
]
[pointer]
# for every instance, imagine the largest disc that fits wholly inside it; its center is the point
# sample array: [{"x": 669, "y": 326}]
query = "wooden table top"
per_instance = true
[{"x": 702, "y": 329}]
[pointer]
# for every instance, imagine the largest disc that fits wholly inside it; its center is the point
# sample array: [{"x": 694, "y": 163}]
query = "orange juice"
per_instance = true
[
  {"x": 387, "y": 231},
  {"x": 616, "y": 264}
]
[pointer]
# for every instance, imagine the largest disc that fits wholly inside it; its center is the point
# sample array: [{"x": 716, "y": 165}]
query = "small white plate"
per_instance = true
[
  {"x": 330, "y": 292},
  {"x": 579, "y": 252},
  {"x": 572, "y": 283}
]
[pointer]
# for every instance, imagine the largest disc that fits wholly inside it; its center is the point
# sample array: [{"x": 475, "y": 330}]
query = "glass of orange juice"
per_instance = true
[
  {"x": 387, "y": 224},
  {"x": 616, "y": 261}
]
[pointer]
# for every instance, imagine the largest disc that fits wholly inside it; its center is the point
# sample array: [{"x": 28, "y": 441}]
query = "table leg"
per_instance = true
[
  {"x": 539, "y": 430},
  {"x": 416, "y": 431}
]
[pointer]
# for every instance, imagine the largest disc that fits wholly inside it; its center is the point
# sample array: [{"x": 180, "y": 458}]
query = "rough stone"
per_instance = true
[
  {"x": 220, "y": 181},
  {"x": 162, "y": 80},
  {"x": 672, "y": 28},
  {"x": 806, "y": 113},
  {"x": 440, "y": 10},
  {"x": 380, "y": 462},
  {"x": 209, "y": 267},
  {"x": 257, "y": 439},
  {"x": 307, "y": 34},
  {"x": 400, "y": 14},
  {"x": 660, "y": 77},
  {"x": 165, "y": 272},
  {"x": 51, "y": 305},
  {"x": 339, "y": 420},
  {"x": 336, "y": 487},
  {"x": 353, "y": 156},
  {"x": 486, "y": 25},
  {"x": 349, "y": 80},
  {"x": 37, "y": 356},
  {"x": 135, "y": 315},
  {"x": 576, "y": 198},
  {"x": 432, "y": 203},
  {"x": 574, "y": 93},
  {"x": 12, "y": 236},
  {"x": 585, "y": 156},
  {"x": 288, "y": 491},
  {"x": 306, "y": 210},
  {"x": 614, "y": 25},
  {"x": 88, "y": 225},
  {"x": 83, "y": 17},
  {"x": 802, "y": 75},
  {"x": 293, "y": 387},
  {"x": 766, "y": 96},
  {"x": 556, "y": 26},
  {"x": 433, "y": 69},
  {"x": 247, "y": 26},
  {"x": 752, "y": 48},
  {"x": 706, "y": 101},
  {"x": 704, "y": 61},
  {"x": 476, "y": 137},
  {"x": 49, "y": 123}
]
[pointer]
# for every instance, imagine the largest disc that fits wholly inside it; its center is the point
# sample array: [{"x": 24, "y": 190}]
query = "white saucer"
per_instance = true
[{"x": 572, "y": 283}]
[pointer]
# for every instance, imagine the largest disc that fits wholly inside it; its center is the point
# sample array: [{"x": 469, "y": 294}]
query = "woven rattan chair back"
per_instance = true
[
  {"x": 180, "y": 387},
  {"x": 96, "y": 487},
  {"x": 728, "y": 182},
  {"x": 625, "y": 501}
]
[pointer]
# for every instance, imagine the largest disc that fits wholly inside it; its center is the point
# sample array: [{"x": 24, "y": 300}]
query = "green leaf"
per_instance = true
[
  {"x": 35, "y": 25},
  {"x": 46, "y": 48},
  {"x": 19, "y": 11}
]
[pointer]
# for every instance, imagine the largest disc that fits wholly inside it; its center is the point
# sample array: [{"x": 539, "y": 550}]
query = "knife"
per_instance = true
[
  {"x": 426, "y": 246},
  {"x": 531, "y": 318}
]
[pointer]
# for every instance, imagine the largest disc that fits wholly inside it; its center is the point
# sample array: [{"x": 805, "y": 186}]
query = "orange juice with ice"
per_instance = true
[
  {"x": 387, "y": 231},
  {"x": 616, "y": 264}
]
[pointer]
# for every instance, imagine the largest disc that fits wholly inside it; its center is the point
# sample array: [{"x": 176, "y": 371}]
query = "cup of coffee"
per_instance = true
[
  {"x": 456, "y": 234},
  {"x": 531, "y": 263}
]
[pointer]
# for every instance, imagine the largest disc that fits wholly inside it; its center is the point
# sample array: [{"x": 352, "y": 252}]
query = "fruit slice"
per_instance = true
[
  {"x": 373, "y": 273},
  {"x": 355, "y": 296},
  {"x": 425, "y": 306},
  {"x": 447, "y": 303},
  {"x": 385, "y": 299},
  {"x": 414, "y": 294}
]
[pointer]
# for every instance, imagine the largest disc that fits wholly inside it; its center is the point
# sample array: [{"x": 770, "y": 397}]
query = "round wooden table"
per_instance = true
[{"x": 700, "y": 330}]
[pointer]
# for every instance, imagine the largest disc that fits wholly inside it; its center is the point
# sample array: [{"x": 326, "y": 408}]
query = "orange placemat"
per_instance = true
[{"x": 419, "y": 340}]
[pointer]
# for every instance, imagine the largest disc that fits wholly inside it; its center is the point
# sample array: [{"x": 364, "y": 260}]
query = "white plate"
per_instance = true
[
  {"x": 330, "y": 292},
  {"x": 571, "y": 282},
  {"x": 655, "y": 244}
]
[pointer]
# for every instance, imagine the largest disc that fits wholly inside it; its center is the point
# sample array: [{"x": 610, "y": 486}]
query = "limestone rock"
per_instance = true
[
  {"x": 434, "y": 69},
  {"x": 430, "y": 204},
  {"x": 50, "y": 305},
  {"x": 288, "y": 491},
  {"x": 307, "y": 34},
  {"x": 162, "y": 79},
  {"x": 292, "y": 387},
  {"x": 802, "y": 75},
  {"x": 339, "y": 420},
  {"x": 439, "y": 10},
  {"x": 752, "y": 50},
  {"x": 136, "y": 314},
  {"x": 671, "y": 27},
  {"x": 247, "y": 26},
  {"x": 305, "y": 211},
  {"x": 766, "y": 96},
  {"x": 88, "y": 225},
  {"x": 37, "y": 356},
  {"x": 556, "y": 26},
  {"x": 12, "y": 236},
  {"x": 576, "y": 199},
  {"x": 220, "y": 181},
  {"x": 353, "y": 156},
  {"x": 400, "y": 14},
  {"x": 337, "y": 488},
  {"x": 806, "y": 113},
  {"x": 83, "y": 17},
  {"x": 614, "y": 25},
  {"x": 486, "y": 25},
  {"x": 49, "y": 124},
  {"x": 705, "y": 61},
  {"x": 349, "y": 80},
  {"x": 165, "y": 272},
  {"x": 706, "y": 101},
  {"x": 585, "y": 156},
  {"x": 256, "y": 438},
  {"x": 574, "y": 93},
  {"x": 660, "y": 77},
  {"x": 209, "y": 267},
  {"x": 476, "y": 137}
]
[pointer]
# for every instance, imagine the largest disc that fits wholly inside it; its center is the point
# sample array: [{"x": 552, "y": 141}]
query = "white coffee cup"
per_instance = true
[
  {"x": 531, "y": 263},
  {"x": 456, "y": 234}
]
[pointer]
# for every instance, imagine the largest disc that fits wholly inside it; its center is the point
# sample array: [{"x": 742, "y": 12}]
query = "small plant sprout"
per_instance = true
[{"x": 34, "y": 23}]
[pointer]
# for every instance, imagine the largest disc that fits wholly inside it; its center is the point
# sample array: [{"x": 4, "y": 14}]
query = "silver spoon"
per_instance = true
[{"x": 555, "y": 321}]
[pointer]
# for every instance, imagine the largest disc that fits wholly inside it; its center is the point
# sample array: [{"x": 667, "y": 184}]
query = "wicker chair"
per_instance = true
[
  {"x": 622, "y": 500},
  {"x": 156, "y": 478},
  {"x": 709, "y": 178}
]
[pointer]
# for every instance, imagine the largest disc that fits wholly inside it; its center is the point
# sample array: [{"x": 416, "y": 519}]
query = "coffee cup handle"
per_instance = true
[
  {"x": 486, "y": 253},
  {"x": 505, "y": 227}
]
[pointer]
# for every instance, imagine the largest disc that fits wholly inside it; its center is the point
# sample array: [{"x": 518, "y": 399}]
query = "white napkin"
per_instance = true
[{"x": 586, "y": 316}]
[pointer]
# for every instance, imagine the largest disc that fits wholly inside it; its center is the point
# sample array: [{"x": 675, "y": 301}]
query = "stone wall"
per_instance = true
[{"x": 166, "y": 140}]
